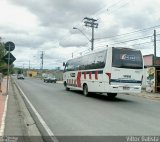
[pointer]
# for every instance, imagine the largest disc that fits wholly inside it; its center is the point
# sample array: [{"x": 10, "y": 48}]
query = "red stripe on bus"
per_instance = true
[
  {"x": 79, "y": 79},
  {"x": 90, "y": 75},
  {"x": 96, "y": 75},
  {"x": 84, "y": 75}
]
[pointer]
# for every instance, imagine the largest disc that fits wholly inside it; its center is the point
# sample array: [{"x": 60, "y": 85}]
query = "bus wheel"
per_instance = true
[
  {"x": 111, "y": 95},
  {"x": 67, "y": 89},
  {"x": 85, "y": 90},
  {"x": 65, "y": 84}
]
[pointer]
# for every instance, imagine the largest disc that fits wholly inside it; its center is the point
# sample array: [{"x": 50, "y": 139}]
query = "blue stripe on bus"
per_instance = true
[
  {"x": 126, "y": 81},
  {"x": 100, "y": 72}
]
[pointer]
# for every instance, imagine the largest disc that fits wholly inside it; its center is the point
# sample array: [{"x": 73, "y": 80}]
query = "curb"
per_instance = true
[
  {"x": 3, "y": 118},
  {"x": 43, "y": 128},
  {"x": 59, "y": 82},
  {"x": 148, "y": 95},
  {"x": 3, "y": 105}
]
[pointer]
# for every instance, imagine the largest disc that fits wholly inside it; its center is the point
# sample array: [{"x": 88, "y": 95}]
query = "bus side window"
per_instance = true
[{"x": 100, "y": 60}]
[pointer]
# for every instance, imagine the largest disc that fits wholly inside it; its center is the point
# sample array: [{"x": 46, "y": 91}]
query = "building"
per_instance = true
[
  {"x": 151, "y": 79},
  {"x": 32, "y": 73}
]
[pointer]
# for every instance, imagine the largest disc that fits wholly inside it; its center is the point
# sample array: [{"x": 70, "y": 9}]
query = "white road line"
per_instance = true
[
  {"x": 4, "y": 117},
  {"x": 48, "y": 130}
]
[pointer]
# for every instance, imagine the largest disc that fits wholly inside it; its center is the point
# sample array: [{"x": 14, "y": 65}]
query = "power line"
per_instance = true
[
  {"x": 119, "y": 39},
  {"x": 129, "y": 32},
  {"x": 130, "y": 40},
  {"x": 141, "y": 43},
  {"x": 123, "y": 5},
  {"x": 109, "y": 7},
  {"x": 102, "y": 9},
  {"x": 127, "y": 40},
  {"x": 100, "y": 42}
]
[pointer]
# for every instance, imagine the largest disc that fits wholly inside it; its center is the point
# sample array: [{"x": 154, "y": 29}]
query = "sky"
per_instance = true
[{"x": 46, "y": 27}]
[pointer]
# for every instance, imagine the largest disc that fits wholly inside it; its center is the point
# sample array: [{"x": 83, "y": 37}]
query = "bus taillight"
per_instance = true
[{"x": 109, "y": 76}]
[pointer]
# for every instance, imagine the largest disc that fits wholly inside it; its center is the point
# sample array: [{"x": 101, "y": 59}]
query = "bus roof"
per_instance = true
[{"x": 102, "y": 49}]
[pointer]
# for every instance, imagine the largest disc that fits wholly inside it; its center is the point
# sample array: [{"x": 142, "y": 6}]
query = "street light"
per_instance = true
[{"x": 82, "y": 33}]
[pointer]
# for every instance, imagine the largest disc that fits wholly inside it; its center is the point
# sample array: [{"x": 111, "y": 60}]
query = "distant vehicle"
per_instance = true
[
  {"x": 50, "y": 79},
  {"x": 111, "y": 71},
  {"x": 20, "y": 76}
]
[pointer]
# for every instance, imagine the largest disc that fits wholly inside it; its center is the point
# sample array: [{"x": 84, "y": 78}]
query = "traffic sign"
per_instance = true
[
  {"x": 9, "y": 46},
  {"x": 9, "y": 57}
]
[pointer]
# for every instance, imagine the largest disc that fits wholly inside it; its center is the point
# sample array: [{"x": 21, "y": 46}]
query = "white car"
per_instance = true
[{"x": 20, "y": 76}]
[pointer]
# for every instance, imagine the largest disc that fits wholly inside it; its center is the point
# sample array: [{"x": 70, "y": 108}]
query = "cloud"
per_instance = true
[
  {"x": 138, "y": 15},
  {"x": 37, "y": 26},
  {"x": 60, "y": 13},
  {"x": 74, "y": 41},
  {"x": 16, "y": 18},
  {"x": 55, "y": 19}
]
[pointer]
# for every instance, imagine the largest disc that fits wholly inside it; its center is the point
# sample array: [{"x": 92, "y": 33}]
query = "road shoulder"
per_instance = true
[
  {"x": 18, "y": 119},
  {"x": 148, "y": 95}
]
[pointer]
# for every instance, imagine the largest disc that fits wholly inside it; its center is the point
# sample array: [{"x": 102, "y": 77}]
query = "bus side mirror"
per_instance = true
[{"x": 64, "y": 64}]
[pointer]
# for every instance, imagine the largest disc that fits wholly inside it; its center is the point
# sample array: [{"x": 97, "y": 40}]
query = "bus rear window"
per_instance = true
[{"x": 126, "y": 58}]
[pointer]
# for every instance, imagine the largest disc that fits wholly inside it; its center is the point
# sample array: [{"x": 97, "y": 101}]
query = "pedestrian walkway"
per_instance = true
[
  {"x": 3, "y": 97},
  {"x": 148, "y": 95},
  {"x": 153, "y": 96}
]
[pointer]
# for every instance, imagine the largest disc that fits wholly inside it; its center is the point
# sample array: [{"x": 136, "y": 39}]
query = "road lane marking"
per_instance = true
[
  {"x": 4, "y": 117},
  {"x": 48, "y": 130}
]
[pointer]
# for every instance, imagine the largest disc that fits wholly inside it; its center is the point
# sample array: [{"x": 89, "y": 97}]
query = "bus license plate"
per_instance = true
[{"x": 126, "y": 88}]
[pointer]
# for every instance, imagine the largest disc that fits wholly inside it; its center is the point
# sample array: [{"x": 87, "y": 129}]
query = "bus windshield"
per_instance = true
[{"x": 127, "y": 58}]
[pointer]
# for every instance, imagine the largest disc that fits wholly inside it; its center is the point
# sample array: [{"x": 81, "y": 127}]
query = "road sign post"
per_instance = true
[
  {"x": 9, "y": 58},
  {"x": 9, "y": 46}
]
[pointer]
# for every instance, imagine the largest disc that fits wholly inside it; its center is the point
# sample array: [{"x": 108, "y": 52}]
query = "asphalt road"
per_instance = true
[{"x": 69, "y": 113}]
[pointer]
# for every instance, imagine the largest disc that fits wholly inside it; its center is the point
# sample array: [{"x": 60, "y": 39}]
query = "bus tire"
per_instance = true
[
  {"x": 111, "y": 95},
  {"x": 65, "y": 84},
  {"x": 85, "y": 90},
  {"x": 67, "y": 89}
]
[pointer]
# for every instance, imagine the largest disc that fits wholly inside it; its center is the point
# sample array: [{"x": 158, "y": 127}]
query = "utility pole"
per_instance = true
[
  {"x": 154, "y": 47},
  {"x": 42, "y": 55},
  {"x": 23, "y": 69},
  {"x": 29, "y": 65},
  {"x": 90, "y": 22}
]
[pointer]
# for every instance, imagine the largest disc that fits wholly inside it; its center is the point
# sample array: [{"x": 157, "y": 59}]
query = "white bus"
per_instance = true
[{"x": 110, "y": 71}]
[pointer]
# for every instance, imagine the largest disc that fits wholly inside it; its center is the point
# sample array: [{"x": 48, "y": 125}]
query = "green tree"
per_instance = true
[{"x": 3, "y": 65}]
